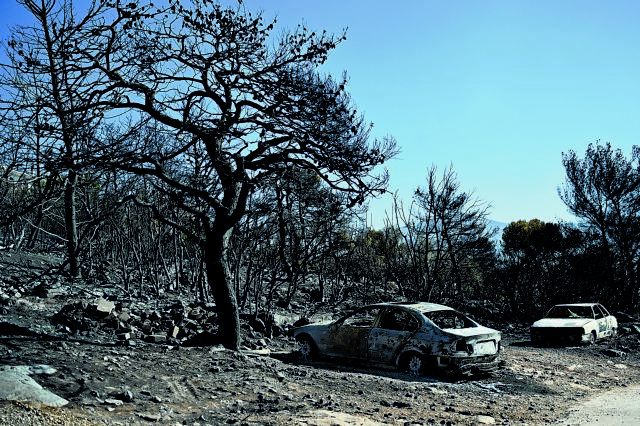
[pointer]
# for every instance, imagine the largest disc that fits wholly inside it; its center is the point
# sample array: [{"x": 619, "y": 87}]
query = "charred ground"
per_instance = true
[{"x": 169, "y": 370}]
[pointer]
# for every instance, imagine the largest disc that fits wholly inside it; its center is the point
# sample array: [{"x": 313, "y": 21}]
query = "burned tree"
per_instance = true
[
  {"x": 603, "y": 190},
  {"x": 457, "y": 238},
  {"x": 50, "y": 109},
  {"x": 229, "y": 106}
]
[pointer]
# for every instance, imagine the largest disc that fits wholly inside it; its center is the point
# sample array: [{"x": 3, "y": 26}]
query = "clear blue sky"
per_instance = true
[{"x": 497, "y": 89}]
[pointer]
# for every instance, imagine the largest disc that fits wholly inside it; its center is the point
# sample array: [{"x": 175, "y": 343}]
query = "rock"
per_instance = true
[
  {"x": 174, "y": 331},
  {"x": 148, "y": 417},
  {"x": 42, "y": 369},
  {"x": 190, "y": 324},
  {"x": 123, "y": 336},
  {"x": 484, "y": 420},
  {"x": 104, "y": 307},
  {"x": 156, "y": 338},
  {"x": 124, "y": 317},
  {"x": 124, "y": 396},
  {"x": 146, "y": 326},
  {"x": 196, "y": 313},
  {"x": 17, "y": 385},
  {"x": 613, "y": 352},
  {"x": 47, "y": 290}
]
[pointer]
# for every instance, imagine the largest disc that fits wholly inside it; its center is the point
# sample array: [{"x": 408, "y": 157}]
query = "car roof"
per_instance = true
[
  {"x": 418, "y": 306},
  {"x": 577, "y": 304}
]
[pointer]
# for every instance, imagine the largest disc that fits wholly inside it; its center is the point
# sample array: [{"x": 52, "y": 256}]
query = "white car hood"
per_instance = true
[{"x": 561, "y": 322}]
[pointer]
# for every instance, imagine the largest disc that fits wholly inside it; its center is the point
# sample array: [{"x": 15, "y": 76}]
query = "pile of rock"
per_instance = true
[{"x": 175, "y": 323}]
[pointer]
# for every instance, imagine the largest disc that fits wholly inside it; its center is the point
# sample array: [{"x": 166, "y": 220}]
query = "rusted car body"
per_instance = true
[
  {"x": 417, "y": 337},
  {"x": 574, "y": 323}
]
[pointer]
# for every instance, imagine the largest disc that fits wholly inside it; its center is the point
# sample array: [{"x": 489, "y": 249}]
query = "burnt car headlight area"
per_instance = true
[{"x": 558, "y": 334}]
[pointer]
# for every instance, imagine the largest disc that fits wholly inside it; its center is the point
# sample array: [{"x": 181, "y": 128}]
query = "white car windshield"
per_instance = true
[{"x": 570, "y": 312}]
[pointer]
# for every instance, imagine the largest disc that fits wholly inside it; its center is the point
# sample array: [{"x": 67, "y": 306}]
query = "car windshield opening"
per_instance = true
[
  {"x": 450, "y": 319},
  {"x": 570, "y": 312}
]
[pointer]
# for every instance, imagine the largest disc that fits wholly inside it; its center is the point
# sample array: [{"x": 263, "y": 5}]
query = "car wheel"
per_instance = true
[
  {"x": 308, "y": 348},
  {"x": 614, "y": 332},
  {"x": 414, "y": 363},
  {"x": 592, "y": 337}
]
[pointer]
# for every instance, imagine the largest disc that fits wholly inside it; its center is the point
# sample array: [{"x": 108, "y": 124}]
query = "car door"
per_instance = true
[
  {"x": 348, "y": 338},
  {"x": 601, "y": 318},
  {"x": 395, "y": 327},
  {"x": 607, "y": 321}
]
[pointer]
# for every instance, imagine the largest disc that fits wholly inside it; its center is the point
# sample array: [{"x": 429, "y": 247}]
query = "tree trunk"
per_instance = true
[
  {"x": 221, "y": 286},
  {"x": 70, "y": 222}
]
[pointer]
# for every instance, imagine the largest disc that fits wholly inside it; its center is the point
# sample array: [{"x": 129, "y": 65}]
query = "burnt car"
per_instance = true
[
  {"x": 574, "y": 323},
  {"x": 415, "y": 337}
]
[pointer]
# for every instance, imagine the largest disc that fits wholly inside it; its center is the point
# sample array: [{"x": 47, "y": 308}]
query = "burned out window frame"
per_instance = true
[
  {"x": 359, "y": 318},
  {"x": 599, "y": 312},
  {"x": 460, "y": 321},
  {"x": 402, "y": 320},
  {"x": 604, "y": 310}
]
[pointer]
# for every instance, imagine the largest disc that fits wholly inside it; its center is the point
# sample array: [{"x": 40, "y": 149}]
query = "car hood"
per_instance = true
[{"x": 561, "y": 322}]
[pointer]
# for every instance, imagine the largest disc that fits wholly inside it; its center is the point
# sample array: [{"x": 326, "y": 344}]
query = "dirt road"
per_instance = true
[{"x": 614, "y": 408}]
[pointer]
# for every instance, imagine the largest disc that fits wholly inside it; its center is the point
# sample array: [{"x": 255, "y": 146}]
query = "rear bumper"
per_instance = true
[{"x": 475, "y": 365}]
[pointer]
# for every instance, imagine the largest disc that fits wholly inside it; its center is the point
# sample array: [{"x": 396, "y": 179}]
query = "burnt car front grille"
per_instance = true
[{"x": 557, "y": 333}]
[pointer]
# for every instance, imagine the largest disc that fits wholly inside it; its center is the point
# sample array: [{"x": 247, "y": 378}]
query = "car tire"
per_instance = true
[
  {"x": 308, "y": 348},
  {"x": 592, "y": 338},
  {"x": 614, "y": 332},
  {"x": 414, "y": 363}
]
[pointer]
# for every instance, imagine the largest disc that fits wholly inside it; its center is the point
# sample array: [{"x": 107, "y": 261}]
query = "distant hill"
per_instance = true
[{"x": 499, "y": 226}]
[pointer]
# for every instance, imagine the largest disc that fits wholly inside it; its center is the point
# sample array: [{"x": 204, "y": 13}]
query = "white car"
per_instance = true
[
  {"x": 574, "y": 323},
  {"x": 416, "y": 337}
]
